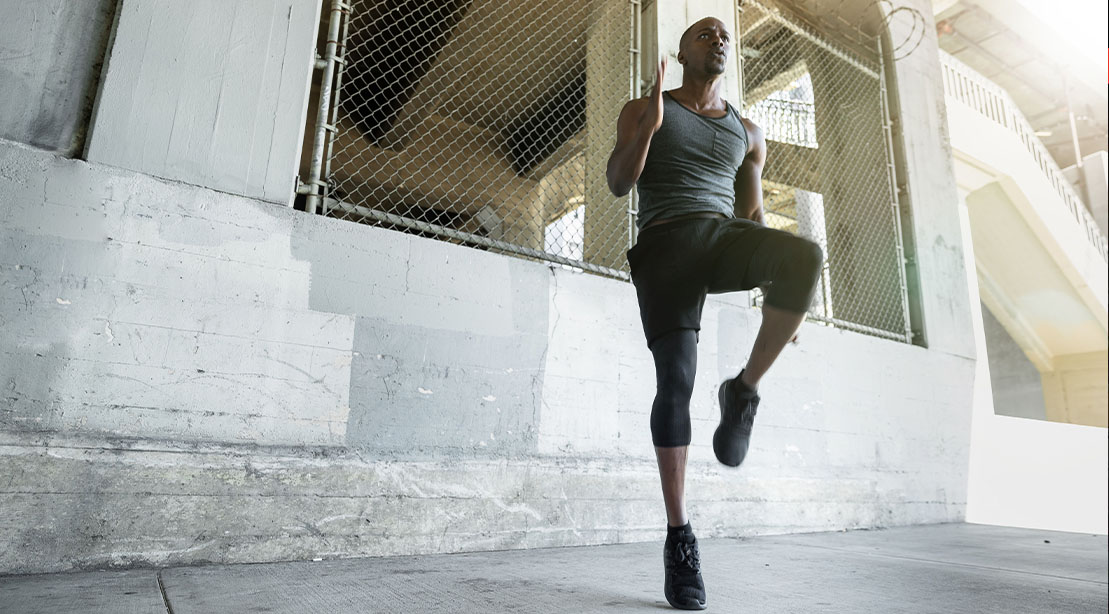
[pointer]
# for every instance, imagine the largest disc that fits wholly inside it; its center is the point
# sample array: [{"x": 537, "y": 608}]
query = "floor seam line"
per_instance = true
[{"x": 162, "y": 591}]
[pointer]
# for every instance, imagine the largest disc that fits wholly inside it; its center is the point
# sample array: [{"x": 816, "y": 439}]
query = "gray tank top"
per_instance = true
[{"x": 691, "y": 164}]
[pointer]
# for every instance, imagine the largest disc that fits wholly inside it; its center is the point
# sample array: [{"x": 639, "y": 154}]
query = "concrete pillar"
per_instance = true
[
  {"x": 939, "y": 296},
  {"x": 208, "y": 92},
  {"x": 607, "y": 88},
  {"x": 663, "y": 24},
  {"x": 607, "y": 58},
  {"x": 810, "y": 224}
]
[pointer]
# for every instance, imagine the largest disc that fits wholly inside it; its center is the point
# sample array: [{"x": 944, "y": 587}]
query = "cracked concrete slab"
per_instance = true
[
  {"x": 92, "y": 592},
  {"x": 937, "y": 568}
]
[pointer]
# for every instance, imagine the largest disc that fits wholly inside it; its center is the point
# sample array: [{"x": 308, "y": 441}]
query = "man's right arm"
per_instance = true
[
  {"x": 638, "y": 122},
  {"x": 630, "y": 154}
]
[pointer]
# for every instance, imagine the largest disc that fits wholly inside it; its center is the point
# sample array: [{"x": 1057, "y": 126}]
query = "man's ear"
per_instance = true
[{"x": 681, "y": 58}]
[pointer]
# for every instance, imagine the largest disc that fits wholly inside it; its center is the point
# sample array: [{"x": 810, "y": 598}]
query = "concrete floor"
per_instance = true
[{"x": 944, "y": 569}]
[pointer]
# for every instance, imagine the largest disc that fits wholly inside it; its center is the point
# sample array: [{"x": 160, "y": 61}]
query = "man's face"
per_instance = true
[{"x": 705, "y": 47}]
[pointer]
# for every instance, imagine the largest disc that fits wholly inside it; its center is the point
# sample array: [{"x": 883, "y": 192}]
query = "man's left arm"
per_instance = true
[{"x": 748, "y": 180}]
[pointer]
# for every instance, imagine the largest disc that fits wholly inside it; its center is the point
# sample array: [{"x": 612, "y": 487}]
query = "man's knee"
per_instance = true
[
  {"x": 670, "y": 424},
  {"x": 675, "y": 383},
  {"x": 807, "y": 258}
]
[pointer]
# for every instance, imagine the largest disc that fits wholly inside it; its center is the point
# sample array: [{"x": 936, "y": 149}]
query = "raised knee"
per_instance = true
[{"x": 809, "y": 255}]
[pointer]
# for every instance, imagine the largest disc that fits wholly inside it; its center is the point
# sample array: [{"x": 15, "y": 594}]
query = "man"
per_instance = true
[{"x": 698, "y": 169}]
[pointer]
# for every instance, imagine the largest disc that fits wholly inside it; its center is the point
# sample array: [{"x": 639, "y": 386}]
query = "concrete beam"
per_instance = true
[{"x": 209, "y": 93}]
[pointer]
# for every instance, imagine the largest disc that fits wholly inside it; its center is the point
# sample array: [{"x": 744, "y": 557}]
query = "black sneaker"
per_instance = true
[
  {"x": 684, "y": 587},
  {"x": 738, "y": 405}
]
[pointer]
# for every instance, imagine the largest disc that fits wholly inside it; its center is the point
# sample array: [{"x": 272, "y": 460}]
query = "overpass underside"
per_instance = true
[{"x": 1040, "y": 258}]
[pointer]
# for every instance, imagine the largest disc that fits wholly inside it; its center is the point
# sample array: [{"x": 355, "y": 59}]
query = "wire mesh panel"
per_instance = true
[
  {"x": 486, "y": 122},
  {"x": 828, "y": 173}
]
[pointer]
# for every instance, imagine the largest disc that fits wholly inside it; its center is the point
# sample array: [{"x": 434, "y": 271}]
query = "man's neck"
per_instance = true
[{"x": 701, "y": 94}]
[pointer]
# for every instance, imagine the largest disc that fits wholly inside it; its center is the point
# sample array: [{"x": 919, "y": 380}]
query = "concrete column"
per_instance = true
[
  {"x": 607, "y": 58},
  {"x": 208, "y": 92},
  {"x": 939, "y": 295},
  {"x": 662, "y": 31},
  {"x": 810, "y": 224}
]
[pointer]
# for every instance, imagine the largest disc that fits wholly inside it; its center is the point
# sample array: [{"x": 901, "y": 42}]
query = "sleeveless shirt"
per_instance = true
[{"x": 691, "y": 164}]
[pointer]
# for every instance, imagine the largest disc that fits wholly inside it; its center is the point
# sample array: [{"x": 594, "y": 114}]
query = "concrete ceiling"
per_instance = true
[{"x": 1004, "y": 43}]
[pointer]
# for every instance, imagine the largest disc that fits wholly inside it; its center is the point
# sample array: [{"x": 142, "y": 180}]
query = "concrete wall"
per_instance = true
[
  {"x": 195, "y": 376},
  {"x": 1017, "y": 390},
  {"x": 940, "y": 300},
  {"x": 50, "y": 56},
  {"x": 1030, "y": 473},
  {"x": 210, "y": 93},
  {"x": 1076, "y": 390}
]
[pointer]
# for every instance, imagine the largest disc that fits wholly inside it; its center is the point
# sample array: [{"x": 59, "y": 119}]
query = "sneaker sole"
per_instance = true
[
  {"x": 686, "y": 607},
  {"x": 716, "y": 434}
]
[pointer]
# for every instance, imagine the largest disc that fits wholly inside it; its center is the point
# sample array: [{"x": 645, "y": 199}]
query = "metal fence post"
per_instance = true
[{"x": 315, "y": 172}]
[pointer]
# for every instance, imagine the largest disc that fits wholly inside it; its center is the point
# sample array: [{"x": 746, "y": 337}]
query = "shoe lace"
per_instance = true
[
  {"x": 747, "y": 416},
  {"x": 685, "y": 554},
  {"x": 748, "y": 407}
]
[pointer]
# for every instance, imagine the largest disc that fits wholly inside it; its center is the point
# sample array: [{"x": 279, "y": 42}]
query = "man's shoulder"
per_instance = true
[
  {"x": 636, "y": 104},
  {"x": 752, "y": 128}
]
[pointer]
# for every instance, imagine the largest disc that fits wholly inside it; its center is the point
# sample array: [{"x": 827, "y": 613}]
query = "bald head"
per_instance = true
[
  {"x": 706, "y": 24},
  {"x": 704, "y": 47}
]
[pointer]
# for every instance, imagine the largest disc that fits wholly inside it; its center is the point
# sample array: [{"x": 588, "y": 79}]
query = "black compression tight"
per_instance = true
[{"x": 675, "y": 355}]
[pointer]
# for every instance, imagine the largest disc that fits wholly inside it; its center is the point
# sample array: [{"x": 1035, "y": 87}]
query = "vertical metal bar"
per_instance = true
[
  {"x": 322, "y": 126},
  {"x": 1073, "y": 126},
  {"x": 341, "y": 60},
  {"x": 895, "y": 200},
  {"x": 739, "y": 49}
]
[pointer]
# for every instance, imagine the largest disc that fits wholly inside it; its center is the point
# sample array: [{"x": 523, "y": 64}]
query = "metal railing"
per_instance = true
[
  {"x": 964, "y": 84},
  {"x": 786, "y": 121}
]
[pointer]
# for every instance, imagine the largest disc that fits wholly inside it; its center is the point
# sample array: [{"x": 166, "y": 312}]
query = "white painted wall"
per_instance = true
[
  {"x": 319, "y": 387},
  {"x": 1031, "y": 473},
  {"x": 208, "y": 92}
]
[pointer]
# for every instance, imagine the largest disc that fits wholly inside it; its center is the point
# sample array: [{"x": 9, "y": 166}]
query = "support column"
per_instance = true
[
  {"x": 939, "y": 296},
  {"x": 810, "y": 224},
  {"x": 607, "y": 67}
]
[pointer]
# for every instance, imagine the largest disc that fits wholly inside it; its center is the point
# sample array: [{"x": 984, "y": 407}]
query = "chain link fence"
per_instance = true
[
  {"x": 485, "y": 122},
  {"x": 489, "y": 123},
  {"x": 829, "y": 173}
]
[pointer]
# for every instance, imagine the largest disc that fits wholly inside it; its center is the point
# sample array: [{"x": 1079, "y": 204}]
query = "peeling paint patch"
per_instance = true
[
  {"x": 62, "y": 301},
  {"x": 489, "y": 398},
  {"x": 424, "y": 391}
]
